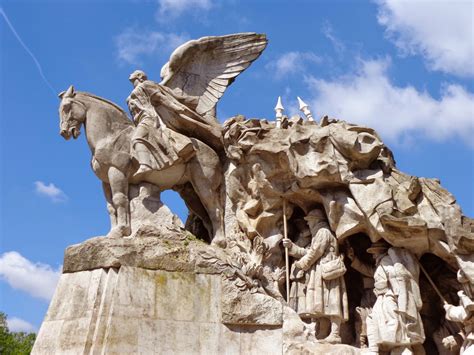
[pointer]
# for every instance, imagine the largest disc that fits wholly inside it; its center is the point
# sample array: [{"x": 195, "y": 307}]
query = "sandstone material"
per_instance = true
[
  {"x": 151, "y": 248},
  {"x": 146, "y": 208},
  {"x": 245, "y": 307},
  {"x": 175, "y": 139},
  {"x": 280, "y": 203},
  {"x": 132, "y": 310}
]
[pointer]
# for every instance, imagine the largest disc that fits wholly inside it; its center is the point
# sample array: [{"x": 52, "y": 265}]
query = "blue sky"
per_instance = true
[{"x": 403, "y": 68}]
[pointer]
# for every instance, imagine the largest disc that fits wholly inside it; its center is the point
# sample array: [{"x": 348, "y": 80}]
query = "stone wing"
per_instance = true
[{"x": 205, "y": 67}]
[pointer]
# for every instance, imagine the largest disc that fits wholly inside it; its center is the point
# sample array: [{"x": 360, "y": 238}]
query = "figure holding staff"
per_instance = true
[{"x": 318, "y": 289}]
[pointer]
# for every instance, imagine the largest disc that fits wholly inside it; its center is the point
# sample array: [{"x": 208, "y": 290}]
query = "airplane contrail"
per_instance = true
[{"x": 38, "y": 65}]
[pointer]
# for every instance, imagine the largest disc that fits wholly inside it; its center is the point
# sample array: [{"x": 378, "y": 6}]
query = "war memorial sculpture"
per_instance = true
[{"x": 303, "y": 237}]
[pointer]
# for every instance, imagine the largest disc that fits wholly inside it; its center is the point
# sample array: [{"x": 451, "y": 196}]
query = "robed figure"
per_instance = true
[
  {"x": 183, "y": 104},
  {"x": 395, "y": 323},
  {"x": 318, "y": 289},
  {"x": 463, "y": 314}
]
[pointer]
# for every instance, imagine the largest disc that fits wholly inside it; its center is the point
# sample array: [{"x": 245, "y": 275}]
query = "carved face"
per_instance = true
[{"x": 72, "y": 114}]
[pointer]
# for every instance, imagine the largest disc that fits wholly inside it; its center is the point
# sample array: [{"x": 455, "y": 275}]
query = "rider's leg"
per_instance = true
[
  {"x": 141, "y": 151},
  {"x": 143, "y": 157}
]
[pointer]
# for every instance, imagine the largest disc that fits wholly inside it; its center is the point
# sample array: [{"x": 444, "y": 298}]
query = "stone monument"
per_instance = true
[{"x": 303, "y": 237}]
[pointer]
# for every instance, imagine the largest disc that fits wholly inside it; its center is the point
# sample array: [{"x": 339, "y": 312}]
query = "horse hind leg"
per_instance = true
[
  {"x": 119, "y": 193},
  {"x": 195, "y": 208},
  {"x": 208, "y": 188},
  {"x": 211, "y": 201}
]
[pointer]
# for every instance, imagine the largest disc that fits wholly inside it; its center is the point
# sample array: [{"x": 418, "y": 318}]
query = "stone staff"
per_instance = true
[{"x": 287, "y": 258}]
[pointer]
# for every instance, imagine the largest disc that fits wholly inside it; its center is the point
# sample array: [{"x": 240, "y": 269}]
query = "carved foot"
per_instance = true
[
  {"x": 119, "y": 232},
  {"x": 332, "y": 339}
]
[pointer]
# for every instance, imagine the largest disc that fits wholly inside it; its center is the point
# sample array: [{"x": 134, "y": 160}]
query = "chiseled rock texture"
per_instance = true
[{"x": 154, "y": 294}]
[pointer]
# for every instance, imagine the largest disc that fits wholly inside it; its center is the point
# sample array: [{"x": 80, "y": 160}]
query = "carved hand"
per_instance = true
[
  {"x": 449, "y": 342},
  {"x": 447, "y": 306},
  {"x": 287, "y": 243}
]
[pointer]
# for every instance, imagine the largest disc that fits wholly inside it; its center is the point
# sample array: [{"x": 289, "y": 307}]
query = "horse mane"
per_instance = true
[{"x": 108, "y": 102}]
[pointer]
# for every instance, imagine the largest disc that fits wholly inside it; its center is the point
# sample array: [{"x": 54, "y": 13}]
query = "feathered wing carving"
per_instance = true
[{"x": 205, "y": 67}]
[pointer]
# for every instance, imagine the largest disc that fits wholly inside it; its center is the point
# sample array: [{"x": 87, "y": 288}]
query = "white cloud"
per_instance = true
[
  {"x": 368, "y": 97},
  {"x": 174, "y": 8},
  {"x": 19, "y": 325},
  {"x": 51, "y": 191},
  {"x": 133, "y": 44},
  {"x": 37, "y": 279},
  {"x": 291, "y": 63},
  {"x": 441, "y": 31},
  {"x": 328, "y": 32}
]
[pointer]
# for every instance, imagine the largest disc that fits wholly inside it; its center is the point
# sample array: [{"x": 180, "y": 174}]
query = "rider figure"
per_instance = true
[
  {"x": 145, "y": 118},
  {"x": 150, "y": 139}
]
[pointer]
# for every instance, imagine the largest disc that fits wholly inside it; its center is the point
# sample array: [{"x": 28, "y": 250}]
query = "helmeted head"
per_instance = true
[
  {"x": 378, "y": 248},
  {"x": 72, "y": 114},
  {"x": 304, "y": 234},
  {"x": 138, "y": 76},
  {"x": 315, "y": 218}
]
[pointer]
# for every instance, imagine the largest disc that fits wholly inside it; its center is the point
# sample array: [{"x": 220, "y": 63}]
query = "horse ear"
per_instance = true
[
  {"x": 61, "y": 94},
  {"x": 69, "y": 92}
]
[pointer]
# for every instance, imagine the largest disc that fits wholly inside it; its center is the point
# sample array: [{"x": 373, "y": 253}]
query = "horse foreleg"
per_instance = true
[
  {"x": 119, "y": 192},
  {"x": 110, "y": 206},
  {"x": 217, "y": 219}
]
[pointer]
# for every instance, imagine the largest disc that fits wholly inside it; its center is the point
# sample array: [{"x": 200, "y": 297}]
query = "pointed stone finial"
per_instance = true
[
  {"x": 279, "y": 106},
  {"x": 305, "y": 109},
  {"x": 279, "y": 112},
  {"x": 302, "y": 103}
]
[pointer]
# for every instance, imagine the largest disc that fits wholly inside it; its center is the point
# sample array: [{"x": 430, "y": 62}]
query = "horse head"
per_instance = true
[{"x": 72, "y": 114}]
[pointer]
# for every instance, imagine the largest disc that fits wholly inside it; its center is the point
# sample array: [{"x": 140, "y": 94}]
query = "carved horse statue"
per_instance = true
[
  {"x": 108, "y": 132},
  {"x": 193, "y": 81}
]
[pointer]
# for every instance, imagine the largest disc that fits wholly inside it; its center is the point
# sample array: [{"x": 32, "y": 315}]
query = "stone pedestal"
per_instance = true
[
  {"x": 132, "y": 310},
  {"x": 148, "y": 295}
]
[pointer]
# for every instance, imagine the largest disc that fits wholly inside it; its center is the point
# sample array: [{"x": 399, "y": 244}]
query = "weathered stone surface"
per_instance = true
[
  {"x": 298, "y": 338},
  {"x": 249, "y": 184},
  {"x": 133, "y": 310},
  {"x": 146, "y": 209},
  {"x": 252, "y": 308},
  {"x": 333, "y": 349},
  {"x": 151, "y": 248}
]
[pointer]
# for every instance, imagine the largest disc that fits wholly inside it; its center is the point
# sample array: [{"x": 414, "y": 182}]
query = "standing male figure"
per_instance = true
[
  {"x": 368, "y": 298},
  {"x": 464, "y": 313},
  {"x": 325, "y": 293},
  {"x": 395, "y": 324}
]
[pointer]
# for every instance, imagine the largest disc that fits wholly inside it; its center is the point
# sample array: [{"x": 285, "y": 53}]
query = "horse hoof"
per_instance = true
[
  {"x": 119, "y": 232},
  {"x": 114, "y": 233},
  {"x": 219, "y": 242},
  {"x": 126, "y": 231}
]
